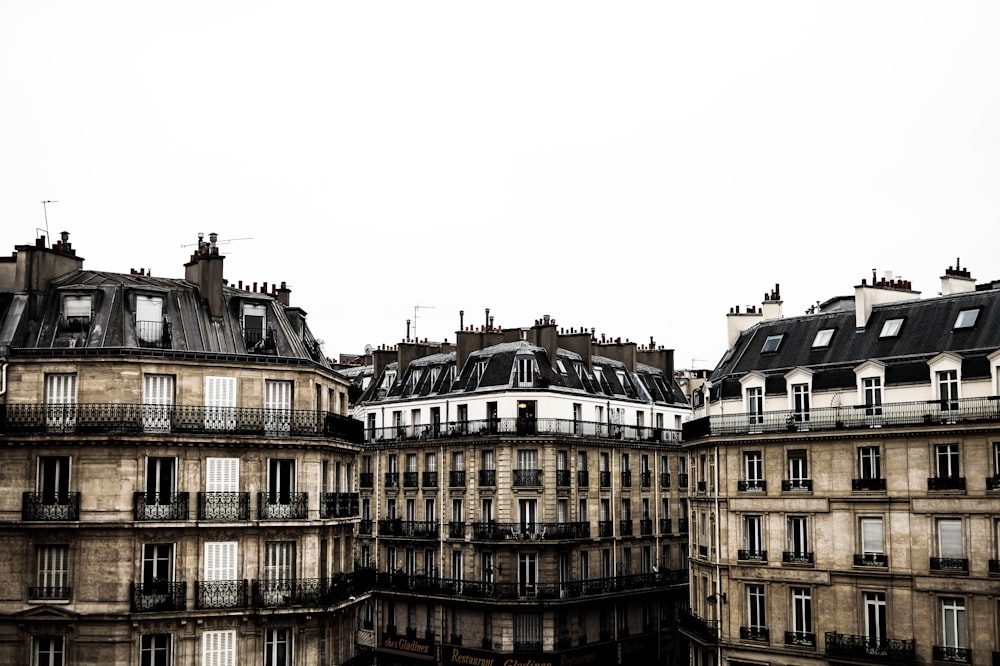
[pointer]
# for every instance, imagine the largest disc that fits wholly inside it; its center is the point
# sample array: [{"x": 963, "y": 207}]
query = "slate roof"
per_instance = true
[{"x": 928, "y": 329}]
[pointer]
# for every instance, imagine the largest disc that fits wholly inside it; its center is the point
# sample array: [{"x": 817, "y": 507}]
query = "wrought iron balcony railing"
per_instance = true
[
  {"x": 223, "y": 506},
  {"x": 751, "y": 555},
  {"x": 161, "y": 506},
  {"x": 646, "y": 479},
  {"x": 682, "y": 525},
  {"x": 870, "y": 648},
  {"x": 604, "y": 479},
  {"x": 792, "y": 557},
  {"x": 289, "y": 592},
  {"x": 339, "y": 505},
  {"x": 682, "y": 480},
  {"x": 646, "y": 527},
  {"x": 870, "y": 484},
  {"x": 751, "y": 485},
  {"x": 491, "y": 531},
  {"x": 366, "y": 480},
  {"x": 429, "y": 480},
  {"x": 154, "y": 334},
  {"x": 664, "y": 479},
  {"x": 221, "y": 594},
  {"x": 582, "y": 478},
  {"x": 959, "y": 564},
  {"x": 929, "y": 413},
  {"x": 456, "y": 479},
  {"x": 994, "y": 566},
  {"x": 456, "y": 530},
  {"x": 117, "y": 418},
  {"x": 49, "y": 593},
  {"x": 626, "y": 479},
  {"x": 791, "y": 485},
  {"x": 50, "y": 506},
  {"x": 527, "y": 478},
  {"x": 871, "y": 560},
  {"x": 282, "y": 506},
  {"x": 755, "y": 634},
  {"x": 802, "y": 638},
  {"x": 625, "y": 527},
  {"x": 520, "y": 427},
  {"x": 365, "y": 526},
  {"x": 562, "y": 478},
  {"x": 158, "y": 596},
  {"x": 946, "y": 483},
  {"x": 702, "y": 486},
  {"x": 410, "y": 479},
  {"x": 488, "y": 477},
  {"x": 706, "y": 630},
  {"x": 666, "y": 526},
  {"x": 605, "y": 528},
  {"x": 392, "y": 479},
  {"x": 419, "y": 529},
  {"x": 955, "y": 655}
]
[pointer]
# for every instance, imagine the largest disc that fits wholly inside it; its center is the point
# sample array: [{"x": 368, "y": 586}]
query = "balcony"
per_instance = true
[
  {"x": 666, "y": 526},
  {"x": 429, "y": 480},
  {"x": 289, "y": 592},
  {"x": 456, "y": 530},
  {"x": 50, "y": 506},
  {"x": 797, "y": 485},
  {"x": 626, "y": 479},
  {"x": 456, "y": 479},
  {"x": 646, "y": 479},
  {"x": 646, "y": 527},
  {"x": 950, "y": 564},
  {"x": 755, "y": 634},
  {"x": 221, "y": 594},
  {"x": 223, "y": 506},
  {"x": 339, "y": 505},
  {"x": 492, "y": 531},
  {"x": 418, "y": 529},
  {"x": 682, "y": 480},
  {"x": 946, "y": 483},
  {"x": 520, "y": 427},
  {"x": 366, "y": 480},
  {"x": 488, "y": 478},
  {"x": 752, "y": 486},
  {"x": 604, "y": 479},
  {"x": 49, "y": 593},
  {"x": 880, "y": 560},
  {"x": 800, "y": 638},
  {"x": 158, "y": 596},
  {"x": 282, "y": 506},
  {"x": 625, "y": 528},
  {"x": 706, "y": 630},
  {"x": 605, "y": 529},
  {"x": 365, "y": 526},
  {"x": 153, "y": 334},
  {"x": 161, "y": 506},
  {"x": 410, "y": 479},
  {"x": 882, "y": 650},
  {"x": 752, "y": 556},
  {"x": 791, "y": 557},
  {"x": 563, "y": 478},
  {"x": 682, "y": 525},
  {"x": 664, "y": 479},
  {"x": 124, "y": 418},
  {"x": 392, "y": 479},
  {"x": 582, "y": 478},
  {"x": 869, "y": 484},
  {"x": 952, "y": 655},
  {"x": 527, "y": 478}
]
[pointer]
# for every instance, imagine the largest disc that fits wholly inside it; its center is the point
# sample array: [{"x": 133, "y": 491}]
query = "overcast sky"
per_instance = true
[{"x": 634, "y": 167}]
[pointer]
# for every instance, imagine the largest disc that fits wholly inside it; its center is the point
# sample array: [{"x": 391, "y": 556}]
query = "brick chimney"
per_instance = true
[
  {"x": 205, "y": 271},
  {"x": 957, "y": 280},
  {"x": 884, "y": 290},
  {"x": 771, "y": 307},
  {"x": 34, "y": 266},
  {"x": 579, "y": 342}
]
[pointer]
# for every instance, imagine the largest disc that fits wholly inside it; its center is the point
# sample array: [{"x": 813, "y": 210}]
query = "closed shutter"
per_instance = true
[
  {"x": 220, "y": 403},
  {"x": 60, "y": 401},
  {"x": 157, "y": 399},
  {"x": 277, "y": 406},
  {"x": 218, "y": 648},
  {"x": 222, "y": 475},
  {"x": 220, "y": 560}
]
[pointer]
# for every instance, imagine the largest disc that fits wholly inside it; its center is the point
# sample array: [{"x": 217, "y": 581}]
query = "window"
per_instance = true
[
  {"x": 280, "y": 481},
  {"x": 53, "y": 573},
  {"x": 967, "y": 318},
  {"x": 872, "y": 537},
  {"x": 220, "y": 403},
  {"x": 278, "y": 647},
  {"x": 756, "y": 614},
  {"x": 222, "y": 475},
  {"x": 527, "y": 573},
  {"x": 159, "y": 498},
  {"x": 872, "y": 389},
  {"x": 53, "y": 479},
  {"x": 798, "y": 540},
  {"x": 527, "y": 511},
  {"x": 525, "y": 371},
  {"x": 157, "y": 566},
  {"x": 154, "y": 650},
  {"x": 277, "y": 407},
  {"x": 218, "y": 648},
  {"x": 486, "y": 510},
  {"x": 60, "y": 401},
  {"x": 875, "y": 620},
  {"x": 947, "y": 461},
  {"x": 798, "y": 470},
  {"x": 947, "y": 382},
  {"x": 755, "y": 405},
  {"x": 149, "y": 318},
  {"x": 891, "y": 328},
  {"x": 254, "y": 325},
  {"x": 157, "y": 402},
  {"x": 772, "y": 343},
  {"x": 950, "y": 546},
  {"x": 869, "y": 462},
  {"x": 47, "y": 651},
  {"x": 753, "y": 538},
  {"x": 527, "y": 632},
  {"x": 953, "y": 628},
  {"x": 802, "y": 615},
  {"x": 279, "y": 571},
  {"x": 220, "y": 561},
  {"x": 753, "y": 470},
  {"x": 823, "y": 337}
]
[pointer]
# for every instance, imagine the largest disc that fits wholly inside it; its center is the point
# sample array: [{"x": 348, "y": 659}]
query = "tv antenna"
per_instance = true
[
  {"x": 45, "y": 210},
  {"x": 201, "y": 236},
  {"x": 415, "y": 308}
]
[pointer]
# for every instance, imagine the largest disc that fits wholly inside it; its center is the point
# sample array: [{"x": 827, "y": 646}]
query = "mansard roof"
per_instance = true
[{"x": 926, "y": 327}]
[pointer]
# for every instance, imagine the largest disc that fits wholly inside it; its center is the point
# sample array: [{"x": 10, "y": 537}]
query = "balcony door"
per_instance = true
[
  {"x": 277, "y": 407},
  {"x": 875, "y": 619},
  {"x": 279, "y": 572},
  {"x": 220, "y": 403},
  {"x": 157, "y": 402}
]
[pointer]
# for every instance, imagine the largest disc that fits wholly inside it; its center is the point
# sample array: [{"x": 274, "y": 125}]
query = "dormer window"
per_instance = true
[
  {"x": 772, "y": 343},
  {"x": 478, "y": 370},
  {"x": 891, "y": 328},
  {"x": 149, "y": 319},
  {"x": 967, "y": 318},
  {"x": 255, "y": 327},
  {"x": 823, "y": 338},
  {"x": 525, "y": 371},
  {"x": 77, "y": 311}
]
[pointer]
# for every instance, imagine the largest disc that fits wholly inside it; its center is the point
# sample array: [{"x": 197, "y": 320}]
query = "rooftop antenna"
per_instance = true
[
  {"x": 217, "y": 242},
  {"x": 415, "y": 308},
  {"x": 45, "y": 210}
]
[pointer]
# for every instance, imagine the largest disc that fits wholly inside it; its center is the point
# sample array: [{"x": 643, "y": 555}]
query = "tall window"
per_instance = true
[
  {"x": 254, "y": 325},
  {"x": 802, "y": 615},
  {"x": 157, "y": 401},
  {"x": 755, "y": 405},
  {"x": 53, "y": 479},
  {"x": 798, "y": 470},
  {"x": 149, "y": 318},
  {"x": 277, "y": 407},
  {"x": 220, "y": 403},
  {"x": 950, "y": 540},
  {"x": 47, "y": 651},
  {"x": 800, "y": 402},
  {"x": 525, "y": 371},
  {"x": 486, "y": 510},
  {"x": 527, "y": 572},
  {"x": 872, "y": 389},
  {"x": 869, "y": 462},
  {"x": 756, "y": 614},
  {"x": 872, "y": 537},
  {"x": 753, "y": 470},
  {"x": 753, "y": 537},
  {"x": 154, "y": 650},
  {"x": 798, "y": 538},
  {"x": 278, "y": 646},
  {"x": 280, "y": 480},
  {"x": 161, "y": 477},
  {"x": 279, "y": 571},
  {"x": 947, "y": 382},
  {"x": 218, "y": 648},
  {"x": 875, "y": 624},
  {"x": 60, "y": 401},
  {"x": 947, "y": 461},
  {"x": 953, "y": 628},
  {"x": 53, "y": 573},
  {"x": 527, "y": 631},
  {"x": 220, "y": 561}
]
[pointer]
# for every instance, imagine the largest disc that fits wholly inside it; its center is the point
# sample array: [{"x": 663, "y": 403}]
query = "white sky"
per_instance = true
[{"x": 635, "y": 167}]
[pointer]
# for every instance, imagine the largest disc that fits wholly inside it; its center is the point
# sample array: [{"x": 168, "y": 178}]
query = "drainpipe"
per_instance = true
[{"x": 3, "y": 379}]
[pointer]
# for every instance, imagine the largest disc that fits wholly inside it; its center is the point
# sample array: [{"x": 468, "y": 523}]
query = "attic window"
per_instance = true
[
  {"x": 77, "y": 310},
  {"x": 253, "y": 323},
  {"x": 149, "y": 318},
  {"x": 562, "y": 368},
  {"x": 772, "y": 343},
  {"x": 891, "y": 328},
  {"x": 823, "y": 337},
  {"x": 525, "y": 371},
  {"x": 967, "y": 318}
]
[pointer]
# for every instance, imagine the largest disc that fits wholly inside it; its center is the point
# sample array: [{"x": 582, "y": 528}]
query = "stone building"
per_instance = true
[
  {"x": 177, "y": 470},
  {"x": 846, "y": 482},
  {"x": 521, "y": 499}
]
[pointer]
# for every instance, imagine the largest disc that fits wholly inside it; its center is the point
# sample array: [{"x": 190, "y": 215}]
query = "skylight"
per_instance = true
[
  {"x": 772, "y": 343},
  {"x": 890, "y": 328},
  {"x": 967, "y": 318},
  {"x": 823, "y": 337}
]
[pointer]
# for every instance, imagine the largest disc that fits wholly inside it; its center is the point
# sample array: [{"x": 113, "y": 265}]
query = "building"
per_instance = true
[
  {"x": 846, "y": 466},
  {"x": 521, "y": 499},
  {"x": 177, "y": 470}
]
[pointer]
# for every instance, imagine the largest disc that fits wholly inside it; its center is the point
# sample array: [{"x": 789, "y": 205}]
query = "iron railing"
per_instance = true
[
  {"x": 625, "y": 528},
  {"x": 154, "y": 334},
  {"x": 792, "y": 557},
  {"x": 604, "y": 479},
  {"x": 282, "y": 506},
  {"x": 751, "y": 485},
  {"x": 788, "y": 485},
  {"x": 456, "y": 530},
  {"x": 955, "y": 655},
  {"x": 682, "y": 480},
  {"x": 339, "y": 505},
  {"x": 949, "y": 564},
  {"x": 488, "y": 477},
  {"x": 946, "y": 483},
  {"x": 871, "y": 484},
  {"x": 706, "y": 630},
  {"x": 161, "y": 506},
  {"x": 491, "y": 531},
  {"x": 158, "y": 596},
  {"x": 366, "y": 480},
  {"x": 117, "y": 418},
  {"x": 365, "y": 526},
  {"x": 870, "y": 648},
  {"x": 456, "y": 479},
  {"x": 221, "y": 594},
  {"x": 410, "y": 479},
  {"x": 582, "y": 478},
  {"x": 803, "y": 638},
  {"x": 521, "y": 427},
  {"x": 527, "y": 478},
  {"x": 50, "y": 506},
  {"x": 927, "y": 412},
  {"x": 562, "y": 478},
  {"x": 871, "y": 560},
  {"x": 223, "y": 506},
  {"x": 755, "y": 634},
  {"x": 665, "y": 479},
  {"x": 429, "y": 480},
  {"x": 751, "y": 555},
  {"x": 605, "y": 528},
  {"x": 421, "y": 529},
  {"x": 49, "y": 592}
]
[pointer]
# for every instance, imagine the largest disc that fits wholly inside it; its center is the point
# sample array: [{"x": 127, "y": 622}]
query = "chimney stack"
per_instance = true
[
  {"x": 205, "y": 271},
  {"x": 957, "y": 280}
]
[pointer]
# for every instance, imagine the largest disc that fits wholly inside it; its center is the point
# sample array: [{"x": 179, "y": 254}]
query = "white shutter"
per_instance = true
[
  {"x": 218, "y": 648},
  {"x": 222, "y": 475},
  {"x": 76, "y": 306},
  {"x": 277, "y": 406},
  {"x": 157, "y": 398},
  {"x": 871, "y": 535},
  {"x": 220, "y": 560},
  {"x": 950, "y": 535},
  {"x": 278, "y": 562},
  {"x": 60, "y": 393},
  {"x": 220, "y": 403}
]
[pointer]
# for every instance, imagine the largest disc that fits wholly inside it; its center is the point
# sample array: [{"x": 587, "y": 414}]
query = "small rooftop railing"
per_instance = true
[
  {"x": 920, "y": 413},
  {"x": 516, "y": 427}
]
